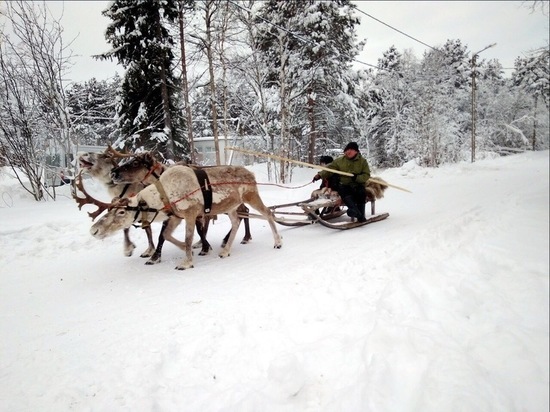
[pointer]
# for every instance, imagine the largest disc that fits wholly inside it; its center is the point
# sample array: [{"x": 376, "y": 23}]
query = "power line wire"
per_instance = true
[{"x": 397, "y": 30}]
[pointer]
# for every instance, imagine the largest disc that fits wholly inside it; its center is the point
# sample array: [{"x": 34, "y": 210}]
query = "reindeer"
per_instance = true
[
  {"x": 99, "y": 166},
  {"x": 177, "y": 195},
  {"x": 143, "y": 167}
]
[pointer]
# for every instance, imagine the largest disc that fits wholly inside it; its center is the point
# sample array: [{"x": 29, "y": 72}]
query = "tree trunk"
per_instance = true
[
  {"x": 312, "y": 131},
  {"x": 285, "y": 141},
  {"x": 208, "y": 22},
  {"x": 185, "y": 86},
  {"x": 170, "y": 150},
  {"x": 534, "y": 136}
]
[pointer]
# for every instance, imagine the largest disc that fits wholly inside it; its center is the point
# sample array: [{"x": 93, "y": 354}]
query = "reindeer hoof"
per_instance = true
[
  {"x": 224, "y": 255},
  {"x": 205, "y": 252},
  {"x": 129, "y": 249},
  {"x": 186, "y": 264},
  {"x": 148, "y": 253},
  {"x": 153, "y": 261}
]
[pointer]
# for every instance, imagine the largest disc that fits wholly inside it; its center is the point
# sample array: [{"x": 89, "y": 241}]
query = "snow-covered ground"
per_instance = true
[{"x": 444, "y": 306}]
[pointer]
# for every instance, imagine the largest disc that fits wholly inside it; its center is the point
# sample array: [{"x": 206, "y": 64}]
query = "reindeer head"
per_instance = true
[
  {"x": 99, "y": 165},
  {"x": 125, "y": 213},
  {"x": 137, "y": 168},
  {"x": 119, "y": 217}
]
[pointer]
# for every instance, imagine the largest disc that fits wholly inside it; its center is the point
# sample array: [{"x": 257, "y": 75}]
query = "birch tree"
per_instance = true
[{"x": 34, "y": 114}]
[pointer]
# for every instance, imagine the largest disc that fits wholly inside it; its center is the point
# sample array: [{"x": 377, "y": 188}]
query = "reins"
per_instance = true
[
  {"x": 151, "y": 171},
  {"x": 170, "y": 206}
]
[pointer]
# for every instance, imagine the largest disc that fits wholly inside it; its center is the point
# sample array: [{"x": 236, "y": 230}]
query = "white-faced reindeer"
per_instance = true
[
  {"x": 177, "y": 196},
  {"x": 99, "y": 166},
  {"x": 143, "y": 167}
]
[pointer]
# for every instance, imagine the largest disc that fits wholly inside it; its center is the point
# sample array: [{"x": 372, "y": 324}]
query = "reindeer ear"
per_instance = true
[{"x": 149, "y": 158}]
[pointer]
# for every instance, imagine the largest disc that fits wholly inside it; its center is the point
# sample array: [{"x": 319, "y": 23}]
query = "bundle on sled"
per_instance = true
[{"x": 326, "y": 207}]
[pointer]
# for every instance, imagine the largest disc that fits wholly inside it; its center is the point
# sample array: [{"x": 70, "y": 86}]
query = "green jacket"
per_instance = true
[{"x": 358, "y": 166}]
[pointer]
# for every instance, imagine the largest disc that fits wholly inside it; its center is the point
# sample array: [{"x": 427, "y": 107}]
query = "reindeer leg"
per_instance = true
[
  {"x": 247, "y": 235},
  {"x": 128, "y": 244},
  {"x": 224, "y": 241},
  {"x": 202, "y": 229},
  {"x": 187, "y": 262},
  {"x": 254, "y": 200},
  {"x": 173, "y": 222},
  {"x": 151, "y": 248},
  {"x": 241, "y": 210},
  {"x": 234, "y": 217},
  {"x": 155, "y": 258}
]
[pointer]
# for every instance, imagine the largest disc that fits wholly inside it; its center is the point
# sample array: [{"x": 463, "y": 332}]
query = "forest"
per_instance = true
[{"x": 279, "y": 77}]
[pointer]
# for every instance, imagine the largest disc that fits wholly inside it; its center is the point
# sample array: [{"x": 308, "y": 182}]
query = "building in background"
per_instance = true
[{"x": 206, "y": 151}]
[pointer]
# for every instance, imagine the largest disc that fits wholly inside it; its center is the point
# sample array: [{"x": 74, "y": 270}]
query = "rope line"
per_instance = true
[{"x": 173, "y": 203}]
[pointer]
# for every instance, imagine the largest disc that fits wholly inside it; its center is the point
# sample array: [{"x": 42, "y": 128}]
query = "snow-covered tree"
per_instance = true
[
  {"x": 389, "y": 107},
  {"x": 310, "y": 46},
  {"x": 92, "y": 108},
  {"x": 532, "y": 75},
  {"x": 455, "y": 62},
  {"x": 141, "y": 42},
  {"x": 254, "y": 97}
]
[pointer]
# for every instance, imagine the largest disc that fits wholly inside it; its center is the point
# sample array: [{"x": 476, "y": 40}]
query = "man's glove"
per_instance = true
[
  {"x": 316, "y": 177},
  {"x": 354, "y": 177}
]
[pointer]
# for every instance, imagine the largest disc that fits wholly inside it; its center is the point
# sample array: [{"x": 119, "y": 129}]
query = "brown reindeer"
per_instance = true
[
  {"x": 177, "y": 195},
  {"x": 143, "y": 167},
  {"x": 99, "y": 165}
]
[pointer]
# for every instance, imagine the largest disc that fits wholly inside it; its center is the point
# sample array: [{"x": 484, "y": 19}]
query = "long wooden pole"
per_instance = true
[
  {"x": 250, "y": 152},
  {"x": 284, "y": 159},
  {"x": 375, "y": 180}
]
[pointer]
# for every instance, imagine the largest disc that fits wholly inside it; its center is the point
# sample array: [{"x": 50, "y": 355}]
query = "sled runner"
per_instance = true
[{"x": 324, "y": 207}]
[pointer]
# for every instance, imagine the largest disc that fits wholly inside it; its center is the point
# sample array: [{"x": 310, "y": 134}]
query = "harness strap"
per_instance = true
[
  {"x": 144, "y": 214},
  {"x": 163, "y": 195},
  {"x": 126, "y": 186},
  {"x": 206, "y": 188},
  {"x": 152, "y": 172}
]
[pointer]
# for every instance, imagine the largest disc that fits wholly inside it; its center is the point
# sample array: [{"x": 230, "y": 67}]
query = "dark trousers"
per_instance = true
[{"x": 354, "y": 197}]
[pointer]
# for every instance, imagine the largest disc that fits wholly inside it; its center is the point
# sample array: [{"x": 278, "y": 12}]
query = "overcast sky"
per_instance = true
[{"x": 510, "y": 24}]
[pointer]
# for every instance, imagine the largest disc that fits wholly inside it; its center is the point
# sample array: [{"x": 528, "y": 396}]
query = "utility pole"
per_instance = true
[{"x": 473, "y": 61}]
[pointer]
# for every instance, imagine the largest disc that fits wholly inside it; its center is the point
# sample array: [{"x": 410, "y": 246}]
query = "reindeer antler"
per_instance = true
[
  {"x": 101, "y": 206},
  {"x": 115, "y": 153}
]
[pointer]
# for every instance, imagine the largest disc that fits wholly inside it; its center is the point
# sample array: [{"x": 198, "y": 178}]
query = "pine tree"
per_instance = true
[{"x": 147, "y": 110}]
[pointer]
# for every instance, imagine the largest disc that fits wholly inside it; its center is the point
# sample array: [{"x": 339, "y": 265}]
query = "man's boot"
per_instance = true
[
  {"x": 353, "y": 211},
  {"x": 361, "y": 218}
]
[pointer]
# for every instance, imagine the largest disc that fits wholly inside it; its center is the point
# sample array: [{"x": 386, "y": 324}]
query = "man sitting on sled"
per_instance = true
[{"x": 350, "y": 188}]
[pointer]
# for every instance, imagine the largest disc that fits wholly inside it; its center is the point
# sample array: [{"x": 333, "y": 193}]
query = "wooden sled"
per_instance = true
[{"x": 324, "y": 207}]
